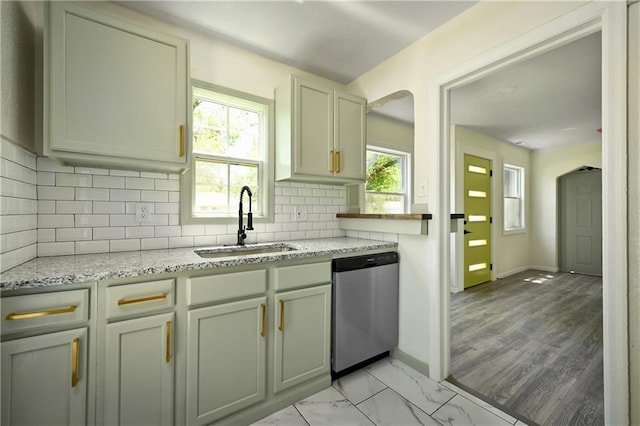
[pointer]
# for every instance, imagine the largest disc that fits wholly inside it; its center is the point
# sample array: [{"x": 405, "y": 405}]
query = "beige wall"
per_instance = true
[
  {"x": 485, "y": 26},
  {"x": 388, "y": 133},
  {"x": 546, "y": 167},
  {"x": 634, "y": 211}
]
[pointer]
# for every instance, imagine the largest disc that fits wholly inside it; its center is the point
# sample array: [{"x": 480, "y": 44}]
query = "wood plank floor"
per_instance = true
[{"x": 532, "y": 343}]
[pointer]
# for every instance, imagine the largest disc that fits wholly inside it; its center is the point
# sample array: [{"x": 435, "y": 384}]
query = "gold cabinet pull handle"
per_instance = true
[
  {"x": 75, "y": 348},
  {"x": 333, "y": 161},
  {"x": 281, "y": 326},
  {"x": 181, "y": 140},
  {"x": 263, "y": 332},
  {"x": 168, "y": 350},
  {"x": 28, "y": 315},
  {"x": 339, "y": 161},
  {"x": 142, "y": 299}
]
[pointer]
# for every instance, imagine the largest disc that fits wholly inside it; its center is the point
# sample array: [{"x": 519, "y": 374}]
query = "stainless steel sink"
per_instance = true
[{"x": 233, "y": 251}]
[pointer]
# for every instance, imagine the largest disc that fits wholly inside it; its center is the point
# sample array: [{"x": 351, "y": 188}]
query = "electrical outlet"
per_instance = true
[
  {"x": 143, "y": 213},
  {"x": 300, "y": 214}
]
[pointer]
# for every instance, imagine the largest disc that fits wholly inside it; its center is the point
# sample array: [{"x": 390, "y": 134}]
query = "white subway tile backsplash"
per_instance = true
[
  {"x": 92, "y": 210},
  {"x": 139, "y": 183},
  {"x": 44, "y": 164},
  {"x": 46, "y": 178},
  {"x": 124, "y": 195},
  {"x": 74, "y": 234},
  {"x": 167, "y": 185},
  {"x": 113, "y": 207},
  {"x": 56, "y": 193},
  {"x": 86, "y": 247},
  {"x": 176, "y": 242},
  {"x": 14, "y": 258},
  {"x": 55, "y": 221},
  {"x": 46, "y": 235},
  {"x": 124, "y": 245},
  {"x": 94, "y": 194},
  {"x": 68, "y": 179},
  {"x": 108, "y": 182},
  {"x": 91, "y": 220},
  {"x": 155, "y": 196},
  {"x": 91, "y": 171},
  {"x": 191, "y": 230},
  {"x": 139, "y": 232},
  {"x": 56, "y": 249},
  {"x": 111, "y": 233},
  {"x": 130, "y": 173},
  {"x": 154, "y": 243},
  {"x": 168, "y": 231}
]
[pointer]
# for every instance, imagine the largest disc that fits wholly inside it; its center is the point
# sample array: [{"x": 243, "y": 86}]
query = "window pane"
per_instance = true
[
  {"x": 511, "y": 182},
  {"x": 512, "y": 213},
  {"x": 244, "y": 134},
  {"x": 384, "y": 203},
  {"x": 209, "y": 127},
  {"x": 384, "y": 172},
  {"x": 241, "y": 175},
  {"x": 211, "y": 181}
]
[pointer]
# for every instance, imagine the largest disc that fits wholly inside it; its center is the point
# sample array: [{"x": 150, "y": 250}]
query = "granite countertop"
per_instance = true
[{"x": 59, "y": 270}]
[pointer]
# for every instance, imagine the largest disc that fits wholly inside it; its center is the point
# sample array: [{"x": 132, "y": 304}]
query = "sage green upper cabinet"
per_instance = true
[
  {"x": 115, "y": 93},
  {"x": 320, "y": 134}
]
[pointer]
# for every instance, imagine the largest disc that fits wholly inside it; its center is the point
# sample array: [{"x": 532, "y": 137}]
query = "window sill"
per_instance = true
[{"x": 515, "y": 231}]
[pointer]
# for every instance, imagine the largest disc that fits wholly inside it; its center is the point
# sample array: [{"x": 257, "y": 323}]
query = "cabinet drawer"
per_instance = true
[
  {"x": 289, "y": 277},
  {"x": 138, "y": 298},
  {"x": 31, "y": 311},
  {"x": 214, "y": 288}
]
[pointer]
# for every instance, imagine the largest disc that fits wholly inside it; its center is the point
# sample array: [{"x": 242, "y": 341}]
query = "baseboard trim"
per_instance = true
[
  {"x": 545, "y": 268},
  {"x": 412, "y": 362}
]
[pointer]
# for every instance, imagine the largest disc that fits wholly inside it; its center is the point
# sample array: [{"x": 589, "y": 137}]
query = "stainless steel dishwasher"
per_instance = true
[{"x": 365, "y": 309}]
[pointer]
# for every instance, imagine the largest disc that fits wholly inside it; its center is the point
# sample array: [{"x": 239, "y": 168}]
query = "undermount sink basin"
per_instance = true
[{"x": 231, "y": 251}]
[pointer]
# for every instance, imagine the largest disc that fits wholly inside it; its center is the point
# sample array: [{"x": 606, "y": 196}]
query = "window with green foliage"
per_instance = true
[
  {"x": 513, "y": 180},
  {"x": 386, "y": 187},
  {"x": 230, "y": 147}
]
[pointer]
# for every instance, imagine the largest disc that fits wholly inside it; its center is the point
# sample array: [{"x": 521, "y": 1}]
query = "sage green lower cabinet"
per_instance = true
[
  {"x": 44, "y": 379},
  {"x": 226, "y": 359},
  {"x": 302, "y": 336},
  {"x": 139, "y": 370}
]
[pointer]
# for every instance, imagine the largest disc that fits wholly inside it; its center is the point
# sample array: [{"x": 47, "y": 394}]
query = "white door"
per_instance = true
[
  {"x": 44, "y": 379},
  {"x": 139, "y": 371},
  {"x": 226, "y": 359},
  {"x": 580, "y": 217}
]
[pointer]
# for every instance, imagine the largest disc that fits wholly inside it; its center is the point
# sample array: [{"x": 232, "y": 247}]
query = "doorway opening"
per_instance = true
[{"x": 591, "y": 18}]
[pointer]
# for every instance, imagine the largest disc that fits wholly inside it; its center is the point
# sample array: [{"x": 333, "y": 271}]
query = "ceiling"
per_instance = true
[
  {"x": 338, "y": 40},
  {"x": 550, "y": 100}
]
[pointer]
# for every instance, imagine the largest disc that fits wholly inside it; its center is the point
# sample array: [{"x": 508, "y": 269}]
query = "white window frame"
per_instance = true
[
  {"x": 521, "y": 196},
  {"x": 265, "y": 167},
  {"x": 405, "y": 176}
]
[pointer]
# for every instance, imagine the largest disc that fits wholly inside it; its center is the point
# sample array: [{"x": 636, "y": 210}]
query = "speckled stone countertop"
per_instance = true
[{"x": 59, "y": 270}]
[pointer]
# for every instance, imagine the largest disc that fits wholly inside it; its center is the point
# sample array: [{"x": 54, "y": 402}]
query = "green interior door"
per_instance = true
[{"x": 477, "y": 230}]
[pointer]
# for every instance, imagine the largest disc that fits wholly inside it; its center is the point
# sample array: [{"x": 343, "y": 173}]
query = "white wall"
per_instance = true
[
  {"x": 510, "y": 252},
  {"x": 484, "y": 26},
  {"x": 634, "y": 211},
  {"x": 388, "y": 133},
  {"x": 546, "y": 167}
]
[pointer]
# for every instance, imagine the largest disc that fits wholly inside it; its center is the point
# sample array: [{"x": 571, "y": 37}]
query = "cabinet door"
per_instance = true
[
  {"x": 302, "y": 344},
  {"x": 116, "y": 90},
  {"x": 44, "y": 379},
  {"x": 139, "y": 371},
  {"x": 350, "y": 136},
  {"x": 226, "y": 359},
  {"x": 313, "y": 134}
]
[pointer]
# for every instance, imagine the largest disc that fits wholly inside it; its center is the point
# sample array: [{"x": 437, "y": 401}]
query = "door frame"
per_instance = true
[{"x": 611, "y": 19}]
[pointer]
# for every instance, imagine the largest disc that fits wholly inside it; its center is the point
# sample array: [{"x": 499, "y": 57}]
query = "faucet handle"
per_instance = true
[{"x": 249, "y": 221}]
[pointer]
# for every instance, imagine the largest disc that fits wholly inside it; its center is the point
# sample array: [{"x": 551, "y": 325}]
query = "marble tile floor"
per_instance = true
[{"x": 389, "y": 392}]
